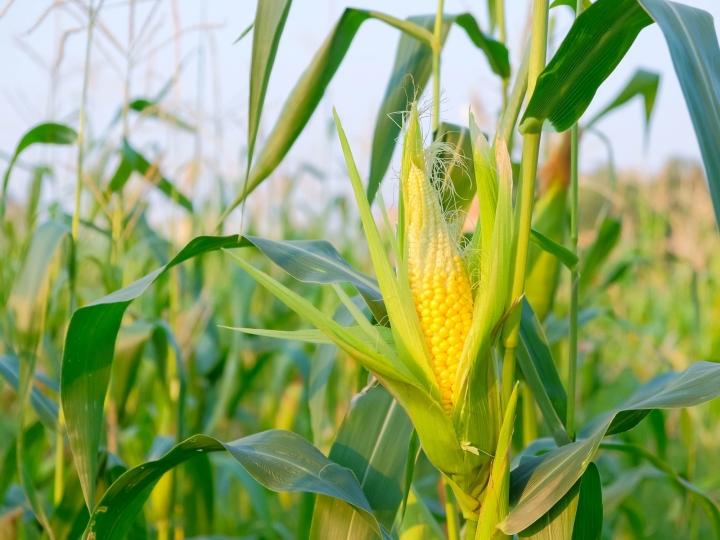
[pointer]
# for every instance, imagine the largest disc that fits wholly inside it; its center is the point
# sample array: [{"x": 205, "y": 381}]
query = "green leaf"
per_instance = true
[
  {"x": 560, "y": 252},
  {"x": 597, "y": 42},
  {"x": 257, "y": 495},
  {"x": 151, "y": 108},
  {"x": 495, "y": 52},
  {"x": 88, "y": 356},
  {"x": 690, "y": 35},
  {"x": 46, "y": 408},
  {"x": 34, "y": 194},
  {"x": 550, "y": 217},
  {"x": 133, "y": 161},
  {"x": 373, "y": 443},
  {"x": 547, "y": 479},
  {"x": 309, "y": 90},
  {"x": 589, "y": 516},
  {"x": 129, "y": 347},
  {"x": 594, "y": 46},
  {"x": 413, "y": 62},
  {"x": 320, "y": 369},
  {"x": 277, "y": 459},
  {"x": 644, "y": 84},
  {"x": 707, "y": 503},
  {"x": 598, "y": 252},
  {"x": 558, "y": 522},
  {"x": 270, "y": 18},
  {"x": 27, "y": 305},
  {"x": 49, "y": 133},
  {"x": 412, "y": 457},
  {"x": 317, "y": 261},
  {"x": 577, "y": 516},
  {"x": 540, "y": 372},
  {"x": 419, "y": 523},
  {"x": 495, "y": 503},
  {"x": 408, "y": 78},
  {"x": 572, "y": 4},
  {"x": 244, "y": 32},
  {"x": 557, "y": 329}
]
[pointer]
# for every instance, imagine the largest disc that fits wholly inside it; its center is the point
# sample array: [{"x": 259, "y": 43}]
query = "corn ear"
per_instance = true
[{"x": 438, "y": 280}]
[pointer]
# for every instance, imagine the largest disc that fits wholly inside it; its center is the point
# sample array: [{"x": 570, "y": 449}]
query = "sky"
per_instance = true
[{"x": 42, "y": 51}]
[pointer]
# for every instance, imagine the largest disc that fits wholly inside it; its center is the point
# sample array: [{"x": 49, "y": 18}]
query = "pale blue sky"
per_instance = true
[{"x": 27, "y": 53}]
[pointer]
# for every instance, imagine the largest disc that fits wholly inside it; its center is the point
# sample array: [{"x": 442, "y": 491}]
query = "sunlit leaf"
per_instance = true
[
  {"x": 419, "y": 523},
  {"x": 270, "y": 18},
  {"x": 373, "y": 443}
]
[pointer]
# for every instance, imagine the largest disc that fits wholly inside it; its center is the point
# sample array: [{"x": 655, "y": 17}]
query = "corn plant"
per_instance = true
[{"x": 139, "y": 377}]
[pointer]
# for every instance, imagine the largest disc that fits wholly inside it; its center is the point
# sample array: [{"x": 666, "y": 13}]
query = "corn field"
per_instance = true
[{"x": 465, "y": 336}]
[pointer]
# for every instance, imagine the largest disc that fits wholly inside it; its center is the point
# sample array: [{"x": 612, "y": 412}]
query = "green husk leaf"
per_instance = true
[
  {"x": 495, "y": 502},
  {"x": 395, "y": 289}
]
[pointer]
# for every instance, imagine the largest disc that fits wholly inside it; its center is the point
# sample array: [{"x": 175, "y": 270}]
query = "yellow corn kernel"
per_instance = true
[{"x": 438, "y": 281}]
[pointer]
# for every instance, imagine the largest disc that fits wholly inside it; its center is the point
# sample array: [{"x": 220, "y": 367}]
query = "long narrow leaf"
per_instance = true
[
  {"x": 88, "y": 356},
  {"x": 549, "y": 478},
  {"x": 317, "y": 261},
  {"x": 373, "y": 443},
  {"x": 690, "y": 35},
  {"x": 270, "y": 18},
  {"x": 279, "y": 460},
  {"x": 49, "y": 133}
]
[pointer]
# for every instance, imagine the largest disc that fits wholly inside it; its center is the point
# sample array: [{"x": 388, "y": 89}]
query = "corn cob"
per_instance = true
[{"x": 438, "y": 281}]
